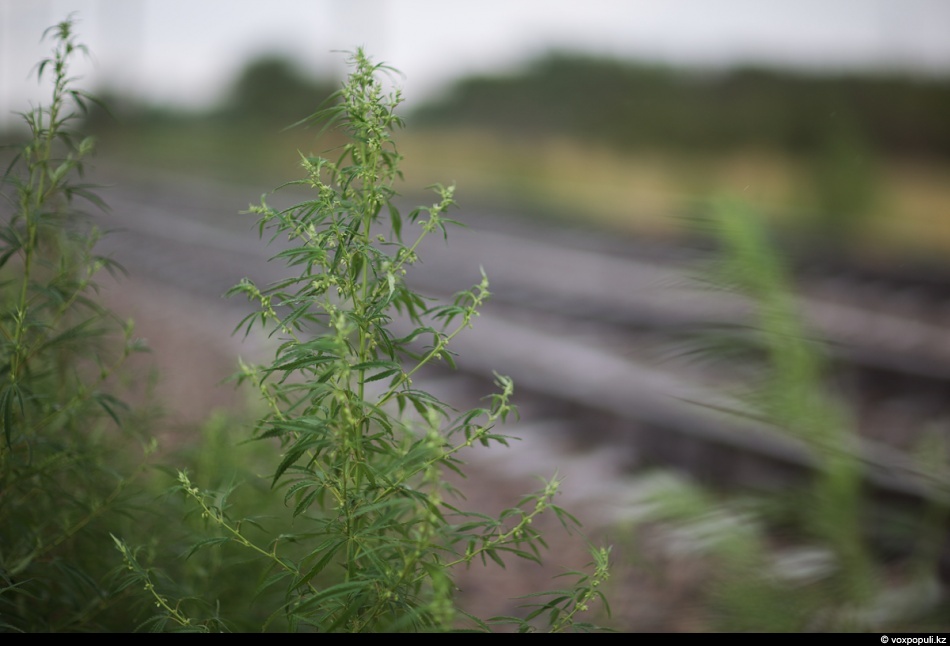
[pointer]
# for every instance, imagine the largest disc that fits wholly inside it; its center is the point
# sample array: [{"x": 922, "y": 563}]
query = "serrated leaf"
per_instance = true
[
  {"x": 329, "y": 552},
  {"x": 270, "y": 581},
  {"x": 208, "y": 542},
  {"x": 109, "y": 403},
  {"x": 290, "y": 458},
  {"x": 333, "y": 592},
  {"x": 395, "y": 220},
  {"x": 491, "y": 553},
  {"x": 10, "y": 396},
  {"x": 382, "y": 375}
]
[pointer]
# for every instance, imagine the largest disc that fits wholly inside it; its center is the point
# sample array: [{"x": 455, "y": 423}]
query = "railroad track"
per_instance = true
[{"x": 581, "y": 323}]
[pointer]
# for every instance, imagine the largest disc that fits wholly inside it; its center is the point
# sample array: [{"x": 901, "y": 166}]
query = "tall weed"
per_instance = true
[
  {"x": 361, "y": 453},
  {"x": 803, "y": 561},
  {"x": 63, "y": 481}
]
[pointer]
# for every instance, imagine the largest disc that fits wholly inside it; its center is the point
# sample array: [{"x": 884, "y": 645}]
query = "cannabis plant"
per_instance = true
[
  {"x": 59, "y": 350},
  {"x": 820, "y": 572},
  {"x": 363, "y": 452}
]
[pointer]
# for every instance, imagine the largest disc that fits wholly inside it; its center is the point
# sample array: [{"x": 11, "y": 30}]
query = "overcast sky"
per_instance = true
[{"x": 186, "y": 51}]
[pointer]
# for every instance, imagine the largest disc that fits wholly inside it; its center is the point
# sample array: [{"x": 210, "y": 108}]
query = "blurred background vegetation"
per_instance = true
[{"x": 857, "y": 162}]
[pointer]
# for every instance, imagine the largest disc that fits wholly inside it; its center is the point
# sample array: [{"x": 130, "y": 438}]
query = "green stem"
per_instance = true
[{"x": 32, "y": 200}]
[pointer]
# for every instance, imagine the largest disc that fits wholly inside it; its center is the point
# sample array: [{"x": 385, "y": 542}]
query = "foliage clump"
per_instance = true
[
  {"x": 62, "y": 481},
  {"x": 810, "y": 558},
  {"x": 363, "y": 452}
]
